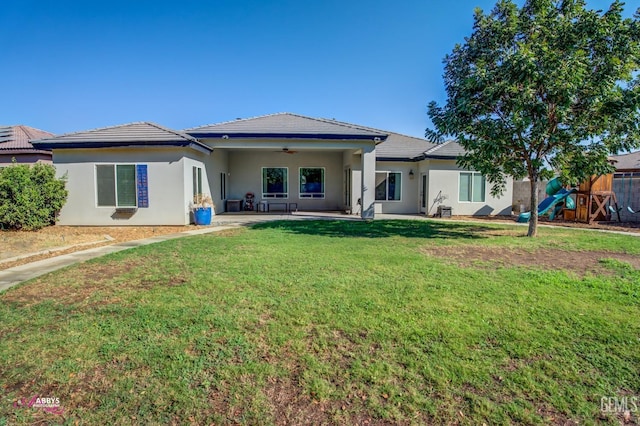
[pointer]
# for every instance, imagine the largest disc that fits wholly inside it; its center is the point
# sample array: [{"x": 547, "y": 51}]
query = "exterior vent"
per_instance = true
[{"x": 444, "y": 211}]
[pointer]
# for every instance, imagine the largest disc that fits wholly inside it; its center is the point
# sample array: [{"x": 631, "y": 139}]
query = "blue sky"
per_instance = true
[{"x": 77, "y": 65}]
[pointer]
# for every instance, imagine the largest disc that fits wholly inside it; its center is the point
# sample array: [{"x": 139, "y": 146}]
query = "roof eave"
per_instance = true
[
  {"x": 24, "y": 151},
  {"x": 122, "y": 144},
  {"x": 440, "y": 157},
  {"x": 399, "y": 159},
  {"x": 329, "y": 136}
]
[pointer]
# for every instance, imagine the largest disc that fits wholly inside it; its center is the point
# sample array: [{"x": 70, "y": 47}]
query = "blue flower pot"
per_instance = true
[{"x": 202, "y": 216}]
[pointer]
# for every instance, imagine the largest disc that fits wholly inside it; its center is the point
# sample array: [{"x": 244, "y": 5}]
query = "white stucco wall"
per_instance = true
[
  {"x": 354, "y": 162},
  {"x": 408, "y": 203},
  {"x": 169, "y": 185},
  {"x": 444, "y": 176},
  {"x": 245, "y": 175},
  {"x": 217, "y": 163},
  {"x": 189, "y": 161}
]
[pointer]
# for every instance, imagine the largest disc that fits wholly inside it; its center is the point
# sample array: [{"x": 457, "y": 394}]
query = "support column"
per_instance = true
[{"x": 368, "y": 196}]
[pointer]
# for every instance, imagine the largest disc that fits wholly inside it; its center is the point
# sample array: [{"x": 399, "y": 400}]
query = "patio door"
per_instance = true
[
  {"x": 423, "y": 193},
  {"x": 347, "y": 188}
]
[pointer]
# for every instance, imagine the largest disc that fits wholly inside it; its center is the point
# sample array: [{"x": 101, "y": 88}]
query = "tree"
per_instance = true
[
  {"x": 30, "y": 196},
  {"x": 549, "y": 86}
]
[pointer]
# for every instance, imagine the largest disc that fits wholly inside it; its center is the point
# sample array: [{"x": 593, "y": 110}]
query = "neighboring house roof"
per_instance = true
[
  {"x": 629, "y": 161},
  {"x": 125, "y": 135},
  {"x": 17, "y": 140},
  {"x": 286, "y": 125}
]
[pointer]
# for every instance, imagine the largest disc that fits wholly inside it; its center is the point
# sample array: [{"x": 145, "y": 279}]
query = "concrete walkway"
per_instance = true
[{"x": 13, "y": 276}]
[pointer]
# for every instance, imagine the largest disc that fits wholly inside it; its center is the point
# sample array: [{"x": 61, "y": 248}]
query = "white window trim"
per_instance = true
[
  {"x": 269, "y": 197},
  {"x": 311, "y": 197},
  {"x": 401, "y": 186},
  {"x": 473, "y": 172},
  {"x": 115, "y": 171}
]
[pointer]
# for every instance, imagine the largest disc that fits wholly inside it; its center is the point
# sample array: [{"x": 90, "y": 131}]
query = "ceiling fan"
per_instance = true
[{"x": 287, "y": 151}]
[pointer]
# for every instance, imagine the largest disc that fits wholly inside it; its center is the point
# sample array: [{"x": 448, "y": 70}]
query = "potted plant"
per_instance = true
[{"x": 201, "y": 207}]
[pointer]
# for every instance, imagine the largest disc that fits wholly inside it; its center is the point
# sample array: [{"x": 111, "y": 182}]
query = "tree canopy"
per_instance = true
[{"x": 548, "y": 87}]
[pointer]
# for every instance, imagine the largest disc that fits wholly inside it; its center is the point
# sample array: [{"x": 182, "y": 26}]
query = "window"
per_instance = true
[
  {"x": 116, "y": 185},
  {"x": 312, "y": 182},
  {"x": 223, "y": 186},
  {"x": 388, "y": 186},
  {"x": 197, "y": 181},
  {"x": 275, "y": 182},
  {"x": 472, "y": 187}
]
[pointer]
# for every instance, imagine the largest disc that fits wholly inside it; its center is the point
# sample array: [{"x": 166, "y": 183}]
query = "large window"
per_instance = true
[
  {"x": 472, "y": 187},
  {"x": 116, "y": 185},
  {"x": 275, "y": 182},
  {"x": 311, "y": 182},
  {"x": 388, "y": 186}
]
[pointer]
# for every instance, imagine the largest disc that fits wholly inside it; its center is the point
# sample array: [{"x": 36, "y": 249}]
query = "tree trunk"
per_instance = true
[{"x": 533, "y": 220}]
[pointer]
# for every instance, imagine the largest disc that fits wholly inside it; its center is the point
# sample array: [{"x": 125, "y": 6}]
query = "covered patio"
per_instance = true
[{"x": 291, "y": 163}]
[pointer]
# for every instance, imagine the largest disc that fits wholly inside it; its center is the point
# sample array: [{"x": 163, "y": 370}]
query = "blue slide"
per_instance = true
[{"x": 557, "y": 200}]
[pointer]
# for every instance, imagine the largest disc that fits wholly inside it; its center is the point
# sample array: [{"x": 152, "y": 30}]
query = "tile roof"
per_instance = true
[
  {"x": 132, "y": 134},
  {"x": 393, "y": 146},
  {"x": 448, "y": 149},
  {"x": 629, "y": 161},
  {"x": 17, "y": 139},
  {"x": 402, "y": 147},
  {"x": 287, "y": 125},
  {"x": 399, "y": 147}
]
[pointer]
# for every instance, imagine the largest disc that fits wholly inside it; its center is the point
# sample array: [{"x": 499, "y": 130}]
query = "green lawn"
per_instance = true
[{"x": 332, "y": 322}]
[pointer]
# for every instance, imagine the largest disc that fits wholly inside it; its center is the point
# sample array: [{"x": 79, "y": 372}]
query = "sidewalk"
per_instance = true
[{"x": 13, "y": 276}]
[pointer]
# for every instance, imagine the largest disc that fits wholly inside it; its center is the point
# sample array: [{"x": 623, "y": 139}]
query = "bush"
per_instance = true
[{"x": 30, "y": 196}]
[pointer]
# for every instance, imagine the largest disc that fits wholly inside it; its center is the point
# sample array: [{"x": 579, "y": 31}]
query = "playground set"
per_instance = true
[{"x": 593, "y": 200}]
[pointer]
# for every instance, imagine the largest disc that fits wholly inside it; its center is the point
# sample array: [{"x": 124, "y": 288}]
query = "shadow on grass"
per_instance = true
[{"x": 378, "y": 228}]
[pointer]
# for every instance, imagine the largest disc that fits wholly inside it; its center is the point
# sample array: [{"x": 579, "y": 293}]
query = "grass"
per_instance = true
[{"x": 334, "y": 322}]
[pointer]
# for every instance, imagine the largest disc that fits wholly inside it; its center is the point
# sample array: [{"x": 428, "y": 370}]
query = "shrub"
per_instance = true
[{"x": 30, "y": 196}]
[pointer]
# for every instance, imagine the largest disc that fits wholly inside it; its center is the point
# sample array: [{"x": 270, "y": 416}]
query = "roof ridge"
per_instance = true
[
  {"x": 321, "y": 120},
  {"x": 175, "y": 132},
  {"x": 98, "y": 129},
  {"x": 399, "y": 134},
  {"x": 627, "y": 153},
  {"x": 28, "y": 130},
  {"x": 337, "y": 122},
  {"x": 437, "y": 147},
  {"x": 236, "y": 120}
]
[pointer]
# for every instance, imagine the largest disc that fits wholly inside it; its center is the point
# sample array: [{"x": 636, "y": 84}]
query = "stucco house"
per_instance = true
[
  {"x": 626, "y": 185},
  {"x": 146, "y": 174},
  {"x": 15, "y": 144}
]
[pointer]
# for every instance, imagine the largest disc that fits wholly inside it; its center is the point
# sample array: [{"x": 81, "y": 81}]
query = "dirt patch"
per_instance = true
[
  {"x": 18, "y": 243},
  {"x": 609, "y": 226},
  {"x": 88, "y": 279},
  {"x": 579, "y": 262},
  {"x": 289, "y": 406}
]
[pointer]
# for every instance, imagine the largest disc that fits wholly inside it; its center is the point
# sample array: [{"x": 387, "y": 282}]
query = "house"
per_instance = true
[
  {"x": 15, "y": 144},
  {"x": 627, "y": 162},
  {"x": 626, "y": 185},
  {"x": 146, "y": 174}
]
